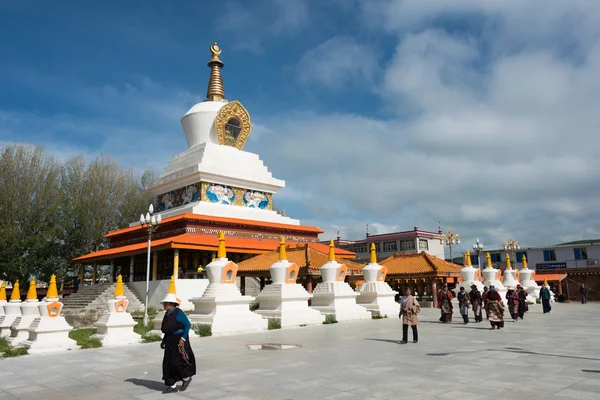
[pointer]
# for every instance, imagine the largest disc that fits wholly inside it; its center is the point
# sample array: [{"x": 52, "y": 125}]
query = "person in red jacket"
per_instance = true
[{"x": 445, "y": 304}]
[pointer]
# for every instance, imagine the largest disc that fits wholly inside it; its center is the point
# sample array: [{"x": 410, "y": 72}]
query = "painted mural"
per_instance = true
[
  {"x": 220, "y": 194},
  {"x": 214, "y": 193}
]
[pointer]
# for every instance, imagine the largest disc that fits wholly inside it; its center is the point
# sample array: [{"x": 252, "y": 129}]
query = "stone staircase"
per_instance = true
[{"x": 85, "y": 307}]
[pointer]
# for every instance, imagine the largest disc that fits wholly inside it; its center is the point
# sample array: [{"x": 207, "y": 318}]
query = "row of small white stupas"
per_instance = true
[
  {"x": 491, "y": 276},
  {"x": 39, "y": 326}
]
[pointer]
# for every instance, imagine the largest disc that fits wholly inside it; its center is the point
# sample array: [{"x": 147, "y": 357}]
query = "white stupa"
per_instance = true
[
  {"x": 222, "y": 305},
  {"x": 374, "y": 293},
  {"x": 491, "y": 276},
  {"x": 29, "y": 312},
  {"x": 284, "y": 298},
  {"x": 115, "y": 328},
  {"x": 50, "y": 331},
  {"x": 509, "y": 276},
  {"x": 528, "y": 283},
  {"x": 12, "y": 310},
  {"x": 335, "y": 297},
  {"x": 470, "y": 275}
]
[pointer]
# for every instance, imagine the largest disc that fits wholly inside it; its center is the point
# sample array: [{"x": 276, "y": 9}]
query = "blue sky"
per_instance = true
[{"x": 388, "y": 113}]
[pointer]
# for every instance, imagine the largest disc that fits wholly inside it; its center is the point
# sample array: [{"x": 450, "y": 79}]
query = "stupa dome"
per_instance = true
[{"x": 199, "y": 122}]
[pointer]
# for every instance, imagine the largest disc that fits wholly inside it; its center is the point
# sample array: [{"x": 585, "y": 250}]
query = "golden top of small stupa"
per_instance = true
[
  {"x": 172, "y": 289},
  {"x": 32, "y": 292},
  {"x": 216, "y": 91},
  {"x": 119, "y": 289},
  {"x": 467, "y": 258},
  {"x": 282, "y": 255},
  {"x": 524, "y": 262},
  {"x": 508, "y": 266},
  {"x": 373, "y": 259},
  {"x": 3, "y": 291},
  {"x": 545, "y": 281},
  {"x": 222, "y": 253},
  {"x": 331, "y": 250},
  {"x": 489, "y": 260},
  {"x": 52, "y": 290},
  {"x": 16, "y": 292}
]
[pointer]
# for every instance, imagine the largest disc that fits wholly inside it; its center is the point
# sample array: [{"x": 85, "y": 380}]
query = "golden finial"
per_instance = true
[
  {"x": 331, "y": 251},
  {"x": 32, "y": 292},
  {"x": 545, "y": 281},
  {"x": 215, "y": 92},
  {"x": 172, "y": 285},
  {"x": 3, "y": 292},
  {"x": 16, "y": 293},
  {"x": 52, "y": 291},
  {"x": 467, "y": 258},
  {"x": 282, "y": 255},
  {"x": 489, "y": 260},
  {"x": 508, "y": 262},
  {"x": 524, "y": 262},
  {"x": 373, "y": 259},
  {"x": 222, "y": 253},
  {"x": 119, "y": 289}
]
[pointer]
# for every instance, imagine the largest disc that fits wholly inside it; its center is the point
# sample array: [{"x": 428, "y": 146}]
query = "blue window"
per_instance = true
[
  {"x": 496, "y": 257},
  {"x": 549, "y": 255},
  {"x": 475, "y": 259},
  {"x": 519, "y": 255},
  {"x": 580, "y": 253}
]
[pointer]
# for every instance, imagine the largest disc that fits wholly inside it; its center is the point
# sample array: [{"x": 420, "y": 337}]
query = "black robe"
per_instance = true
[{"x": 175, "y": 366}]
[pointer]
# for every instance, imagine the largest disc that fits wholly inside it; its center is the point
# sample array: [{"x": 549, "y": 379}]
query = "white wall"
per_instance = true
[{"x": 186, "y": 289}]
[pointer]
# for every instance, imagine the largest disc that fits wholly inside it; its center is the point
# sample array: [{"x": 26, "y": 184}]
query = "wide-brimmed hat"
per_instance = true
[
  {"x": 510, "y": 288},
  {"x": 171, "y": 298}
]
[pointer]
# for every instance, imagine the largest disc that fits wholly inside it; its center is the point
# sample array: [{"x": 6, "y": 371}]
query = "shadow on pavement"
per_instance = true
[
  {"x": 519, "y": 351},
  {"x": 384, "y": 340},
  {"x": 472, "y": 327},
  {"x": 595, "y": 371},
  {"x": 153, "y": 385}
]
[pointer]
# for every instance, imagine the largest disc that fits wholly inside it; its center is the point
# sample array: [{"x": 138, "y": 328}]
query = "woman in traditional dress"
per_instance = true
[
  {"x": 523, "y": 306},
  {"x": 179, "y": 363},
  {"x": 463, "y": 304},
  {"x": 494, "y": 308},
  {"x": 476, "y": 301},
  {"x": 512, "y": 299},
  {"x": 409, "y": 308},
  {"x": 445, "y": 304},
  {"x": 545, "y": 296},
  {"x": 484, "y": 296}
]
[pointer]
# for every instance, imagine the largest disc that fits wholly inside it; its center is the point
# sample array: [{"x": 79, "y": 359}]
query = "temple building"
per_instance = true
[{"x": 212, "y": 186}]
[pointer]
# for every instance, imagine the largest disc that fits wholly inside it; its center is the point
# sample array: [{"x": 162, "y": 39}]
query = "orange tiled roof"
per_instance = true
[
  {"x": 551, "y": 277},
  {"x": 419, "y": 264},
  {"x": 307, "y": 255},
  {"x": 196, "y": 242},
  {"x": 208, "y": 218}
]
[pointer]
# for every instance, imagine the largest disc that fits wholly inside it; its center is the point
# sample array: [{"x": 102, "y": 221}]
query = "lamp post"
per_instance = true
[
  {"x": 151, "y": 223},
  {"x": 450, "y": 239},
  {"x": 478, "y": 247},
  {"x": 512, "y": 245}
]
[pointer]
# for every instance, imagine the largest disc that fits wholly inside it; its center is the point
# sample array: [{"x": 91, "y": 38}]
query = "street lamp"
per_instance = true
[
  {"x": 450, "y": 239},
  {"x": 478, "y": 247},
  {"x": 151, "y": 223},
  {"x": 512, "y": 245}
]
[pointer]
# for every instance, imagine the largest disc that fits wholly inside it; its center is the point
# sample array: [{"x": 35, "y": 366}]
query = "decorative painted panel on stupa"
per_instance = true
[{"x": 214, "y": 193}]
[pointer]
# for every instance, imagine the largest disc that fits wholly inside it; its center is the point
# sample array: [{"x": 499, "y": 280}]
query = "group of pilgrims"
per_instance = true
[{"x": 490, "y": 301}]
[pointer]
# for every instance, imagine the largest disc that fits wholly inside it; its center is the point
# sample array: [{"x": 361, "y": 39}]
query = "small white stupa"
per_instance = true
[
  {"x": 29, "y": 312},
  {"x": 157, "y": 321},
  {"x": 115, "y": 328},
  {"x": 529, "y": 284},
  {"x": 12, "y": 310},
  {"x": 510, "y": 275},
  {"x": 335, "y": 297},
  {"x": 50, "y": 331},
  {"x": 374, "y": 293},
  {"x": 284, "y": 298},
  {"x": 222, "y": 305},
  {"x": 491, "y": 276},
  {"x": 470, "y": 275}
]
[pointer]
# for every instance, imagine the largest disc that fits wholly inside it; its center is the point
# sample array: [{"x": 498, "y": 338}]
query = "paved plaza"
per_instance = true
[{"x": 554, "y": 356}]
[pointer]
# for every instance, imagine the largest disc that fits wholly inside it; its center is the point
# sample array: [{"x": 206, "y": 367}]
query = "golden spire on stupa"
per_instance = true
[
  {"x": 331, "y": 250},
  {"x": 282, "y": 254},
  {"x": 52, "y": 289},
  {"x": 16, "y": 292},
  {"x": 172, "y": 289},
  {"x": 3, "y": 291},
  {"x": 216, "y": 91},
  {"x": 222, "y": 253},
  {"x": 373, "y": 259},
  {"x": 508, "y": 266},
  {"x": 467, "y": 258},
  {"x": 32, "y": 292},
  {"x": 524, "y": 262},
  {"x": 488, "y": 259}
]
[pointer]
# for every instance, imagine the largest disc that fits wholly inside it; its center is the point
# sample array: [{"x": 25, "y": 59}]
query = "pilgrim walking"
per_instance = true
[
  {"x": 512, "y": 299},
  {"x": 584, "y": 293},
  {"x": 463, "y": 304},
  {"x": 545, "y": 296},
  {"x": 523, "y": 306},
  {"x": 409, "y": 308},
  {"x": 495, "y": 309},
  {"x": 476, "y": 300},
  {"x": 179, "y": 363},
  {"x": 445, "y": 304}
]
